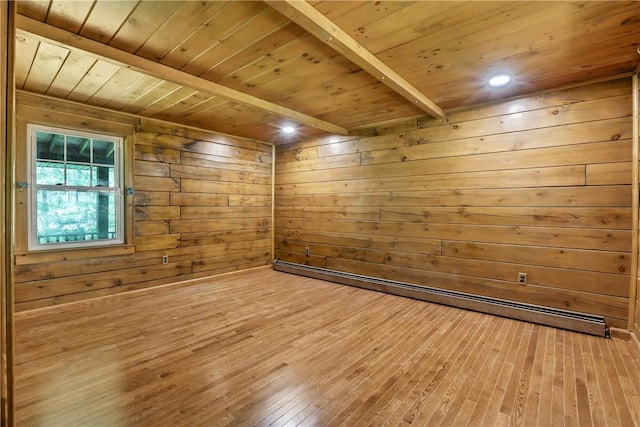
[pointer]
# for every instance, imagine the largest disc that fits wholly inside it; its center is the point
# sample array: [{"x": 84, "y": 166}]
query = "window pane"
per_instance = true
[
  {"x": 78, "y": 149},
  {"x": 71, "y": 216},
  {"x": 104, "y": 176},
  {"x": 78, "y": 175},
  {"x": 103, "y": 152},
  {"x": 49, "y": 173},
  {"x": 50, "y": 146},
  {"x": 75, "y": 195}
]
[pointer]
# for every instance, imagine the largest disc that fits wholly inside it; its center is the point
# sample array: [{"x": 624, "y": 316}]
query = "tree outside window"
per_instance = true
[{"x": 76, "y": 195}]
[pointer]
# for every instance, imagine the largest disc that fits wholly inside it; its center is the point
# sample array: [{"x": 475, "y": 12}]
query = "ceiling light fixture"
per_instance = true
[
  {"x": 499, "y": 80},
  {"x": 288, "y": 129}
]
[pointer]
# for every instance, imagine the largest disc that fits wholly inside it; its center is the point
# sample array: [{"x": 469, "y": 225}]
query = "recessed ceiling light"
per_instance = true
[
  {"x": 288, "y": 129},
  {"x": 499, "y": 80}
]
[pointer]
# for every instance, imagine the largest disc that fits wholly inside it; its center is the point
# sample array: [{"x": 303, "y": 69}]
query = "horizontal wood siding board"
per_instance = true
[
  {"x": 150, "y": 228},
  {"x": 581, "y": 196},
  {"x": 609, "y": 173},
  {"x": 581, "y": 217},
  {"x": 154, "y": 198},
  {"x": 539, "y": 185},
  {"x": 198, "y": 225},
  {"x": 198, "y": 199},
  {"x": 186, "y": 171},
  {"x": 509, "y": 178},
  {"x": 206, "y": 212},
  {"x": 615, "y": 218},
  {"x": 143, "y": 213},
  {"x": 289, "y": 238},
  {"x": 195, "y": 159},
  {"x": 155, "y": 154},
  {"x": 212, "y": 186},
  {"x": 208, "y": 238}
]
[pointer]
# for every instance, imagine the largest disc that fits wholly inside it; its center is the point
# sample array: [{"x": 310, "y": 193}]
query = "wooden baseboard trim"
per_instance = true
[
  {"x": 620, "y": 334},
  {"x": 179, "y": 284}
]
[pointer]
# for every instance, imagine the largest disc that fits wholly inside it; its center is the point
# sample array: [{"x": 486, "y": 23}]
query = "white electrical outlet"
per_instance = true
[
  {"x": 522, "y": 278},
  {"x": 165, "y": 259},
  {"x": 307, "y": 251}
]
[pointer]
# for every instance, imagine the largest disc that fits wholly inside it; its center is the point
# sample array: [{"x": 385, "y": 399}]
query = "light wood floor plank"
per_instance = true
[
  {"x": 533, "y": 396},
  {"x": 582, "y": 393},
  {"x": 570, "y": 399},
  {"x": 268, "y": 348},
  {"x": 596, "y": 404}
]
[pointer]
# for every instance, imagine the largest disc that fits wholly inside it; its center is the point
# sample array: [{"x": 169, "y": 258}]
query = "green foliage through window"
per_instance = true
[{"x": 76, "y": 188}]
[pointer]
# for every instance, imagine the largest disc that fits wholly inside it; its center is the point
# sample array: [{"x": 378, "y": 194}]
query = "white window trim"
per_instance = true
[{"x": 33, "y": 244}]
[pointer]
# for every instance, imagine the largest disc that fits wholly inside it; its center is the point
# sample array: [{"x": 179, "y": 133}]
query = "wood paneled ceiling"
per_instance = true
[{"x": 248, "y": 67}]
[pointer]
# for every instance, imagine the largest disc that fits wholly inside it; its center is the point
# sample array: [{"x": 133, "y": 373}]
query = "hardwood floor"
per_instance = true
[{"x": 268, "y": 348}]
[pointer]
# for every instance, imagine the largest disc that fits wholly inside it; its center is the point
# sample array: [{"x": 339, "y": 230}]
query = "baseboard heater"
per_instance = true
[{"x": 571, "y": 320}]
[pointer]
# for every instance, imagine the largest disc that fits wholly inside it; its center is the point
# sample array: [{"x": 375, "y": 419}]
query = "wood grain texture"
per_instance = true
[
  {"x": 269, "y": 348},
  {"x": 525, "y": 186},
  {"x": 202, "y": 199},
  {"x": 440, "y": 51},
  {"x": 57, "y": 44}
]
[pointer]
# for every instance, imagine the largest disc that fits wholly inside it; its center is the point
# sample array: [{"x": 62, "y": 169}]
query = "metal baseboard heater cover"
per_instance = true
[{"x": 564, "y": 319}]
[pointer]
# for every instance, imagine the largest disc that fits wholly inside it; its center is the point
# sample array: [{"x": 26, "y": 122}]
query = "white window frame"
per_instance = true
[{"x": 117, "y": 189}]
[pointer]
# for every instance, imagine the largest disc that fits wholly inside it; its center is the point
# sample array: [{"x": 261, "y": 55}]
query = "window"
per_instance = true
[{"x": 75, "y": 189}]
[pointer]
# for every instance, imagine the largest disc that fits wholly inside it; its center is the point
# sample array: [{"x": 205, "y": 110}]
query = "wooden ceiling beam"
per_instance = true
[
  {"x": 309, "y": 18},
  {"x": 66, "y": 39}
]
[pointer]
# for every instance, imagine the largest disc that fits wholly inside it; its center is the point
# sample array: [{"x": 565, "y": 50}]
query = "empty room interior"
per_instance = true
[{"x": 320, "y": 213}]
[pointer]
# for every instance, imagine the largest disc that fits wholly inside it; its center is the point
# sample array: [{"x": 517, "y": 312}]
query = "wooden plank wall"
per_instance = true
[
  {"x": 539, "y": 185},
  {"x": 201, "y": 198}
]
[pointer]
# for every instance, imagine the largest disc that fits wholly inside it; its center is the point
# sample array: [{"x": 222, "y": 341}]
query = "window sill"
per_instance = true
[{"x": 26, "y": 258}]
